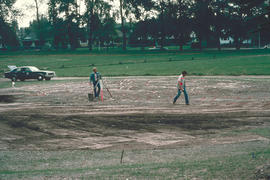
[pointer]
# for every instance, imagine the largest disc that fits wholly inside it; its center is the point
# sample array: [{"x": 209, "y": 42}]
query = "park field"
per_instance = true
[
  {"x": 144, "y": 63},
  {"x": 50, "y": 130}
]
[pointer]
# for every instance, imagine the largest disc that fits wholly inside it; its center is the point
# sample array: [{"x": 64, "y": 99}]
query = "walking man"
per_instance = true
[
  {"x": 94, "y": 78},
  {"x": 181, "y": 87}
]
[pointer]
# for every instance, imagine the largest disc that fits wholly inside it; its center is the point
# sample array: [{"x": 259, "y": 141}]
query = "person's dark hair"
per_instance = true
[{"x": 184, "y": 72}]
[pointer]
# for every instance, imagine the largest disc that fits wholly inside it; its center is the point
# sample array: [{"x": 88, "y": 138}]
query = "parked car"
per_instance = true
[
  {"x": 29, "y": 72},
  {"x": 267, "y": 46}
]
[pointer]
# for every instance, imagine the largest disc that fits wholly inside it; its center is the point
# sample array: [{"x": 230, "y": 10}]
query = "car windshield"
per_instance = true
[
  {"x": 34, "y": 68},
  {"x": 15, "y": 70}
]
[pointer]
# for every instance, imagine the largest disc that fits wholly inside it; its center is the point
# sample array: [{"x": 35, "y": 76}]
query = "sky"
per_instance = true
[{"x": 27, "y": 8}]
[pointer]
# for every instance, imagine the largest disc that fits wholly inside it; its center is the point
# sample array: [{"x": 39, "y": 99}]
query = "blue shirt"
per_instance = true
[{"x": 95, "y": 77}]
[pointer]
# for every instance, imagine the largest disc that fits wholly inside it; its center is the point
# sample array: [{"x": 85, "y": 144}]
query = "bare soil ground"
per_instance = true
[{"x": 57, "y": 114}]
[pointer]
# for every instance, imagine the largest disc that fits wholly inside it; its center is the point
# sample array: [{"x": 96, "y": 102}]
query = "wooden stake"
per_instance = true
[{"x": 122, "y": 155}]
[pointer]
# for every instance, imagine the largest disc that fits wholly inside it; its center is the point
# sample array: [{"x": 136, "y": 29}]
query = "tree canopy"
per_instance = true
[{"x": 143, "y": 22}]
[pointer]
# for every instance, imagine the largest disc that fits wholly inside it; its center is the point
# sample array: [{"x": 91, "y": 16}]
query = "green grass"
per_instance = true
[
  {"x": 230, "y": 161},
  {"x": 264, "y": 132},
  {"x": 135, "y": 62}
]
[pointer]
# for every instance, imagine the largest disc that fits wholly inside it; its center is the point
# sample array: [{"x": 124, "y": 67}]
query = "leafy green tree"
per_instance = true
[
  {"x": 238, "y": 25},
  {"x": 43, "y": 29},
  {"x": 8, "y": 26},
  {"x": 64, "y": 17},
  {"x": 53, "y": 13},
  {"x": 258, "y": 18},
  {"x": 71, "y": 19},
  {"x": 59, "y": 24},
  {"x": 122, "y": 7},
  {"x": 98, "y": 16},
  {"x": 142, "y": 10},
  {"x": 178, "y": 21},
  {"x": 219, "y": 21},
  {"x": 202, "y": 16}
]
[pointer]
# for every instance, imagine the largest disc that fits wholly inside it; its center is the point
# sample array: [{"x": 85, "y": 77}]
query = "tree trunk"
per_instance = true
[
  {"x": 237, "y": 42},
  {"x": 38, "y": 22},
  {"x": 180, "y": 47},
  {"x": 218, "y": 44},
  {"x": 90, "y": 26},
  {"x": 123, "y": 26},
  {"x": 53, "y": 17},
  {"x": 162, "y": 28}
]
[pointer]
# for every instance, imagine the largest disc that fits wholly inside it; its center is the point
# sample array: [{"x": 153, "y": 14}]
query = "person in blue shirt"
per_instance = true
[{"x": 95, "y": 78}]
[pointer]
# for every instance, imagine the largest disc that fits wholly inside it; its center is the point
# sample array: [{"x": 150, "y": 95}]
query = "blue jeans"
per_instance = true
[
  {"x": 178, "y": 95},
  {"x": 96, "y": 86}
]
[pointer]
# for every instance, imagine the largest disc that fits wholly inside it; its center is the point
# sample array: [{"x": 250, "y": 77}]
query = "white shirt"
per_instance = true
[{"x": 181, "y": 81}]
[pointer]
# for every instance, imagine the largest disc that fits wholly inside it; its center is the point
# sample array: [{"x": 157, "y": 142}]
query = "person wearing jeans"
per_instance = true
[
  {"x": 94, "y": 78},
  {"x": 181, "y": 87}
]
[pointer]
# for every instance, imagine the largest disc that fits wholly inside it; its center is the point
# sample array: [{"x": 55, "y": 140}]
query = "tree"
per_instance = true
[
  {"x": 258, "y": 17},
  {"x": 8, "y": 25},
  {"x": 69, "y": 8},
  {"x": 238, "y": 26},
  {"x": 98, "y": 13},
  {"x": 219, "y": 21},
  {"x": 142, "y": 10},
  {"x": 55, "y": 22},
  {"x": 160, "y": 6},
  {"x": 42, "y": 28},
  {"x": 202, "y": 17},
  {"x": 123, "y": 28},
  {"x": 64, "y": 17},
  {"x": 178, "y": 21},
  {"x": 38, "y": 28},
  {"x": 106, "y": 32}
]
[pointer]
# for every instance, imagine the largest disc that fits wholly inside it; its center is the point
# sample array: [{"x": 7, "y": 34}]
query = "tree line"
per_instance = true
[{"x": 142, "y": 22}]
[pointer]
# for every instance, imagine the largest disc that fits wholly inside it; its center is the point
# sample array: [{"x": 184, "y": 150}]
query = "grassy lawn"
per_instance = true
[
  {"x": 231, "y": 161},
  {"x": 135, "y": 62}
]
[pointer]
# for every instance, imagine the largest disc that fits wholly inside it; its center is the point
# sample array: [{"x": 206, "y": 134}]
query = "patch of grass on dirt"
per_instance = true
[
  {"x": 264, "y": 132},
  {"x": 229, "y": 162},
  {"x": 5, "y": 84}
]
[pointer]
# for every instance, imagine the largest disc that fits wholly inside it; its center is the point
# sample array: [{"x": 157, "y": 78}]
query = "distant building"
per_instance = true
[
  {"x": 230, "y": 41},
  {"x": 83, "y": 43},
  {"x": 30, "y": 41},
  {"x": 226, "y": 41}
]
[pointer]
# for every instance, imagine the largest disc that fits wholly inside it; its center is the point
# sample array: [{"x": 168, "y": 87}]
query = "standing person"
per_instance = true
[
  {"x": 181, "y": 86},
  {"x": 94, "y": 78}
]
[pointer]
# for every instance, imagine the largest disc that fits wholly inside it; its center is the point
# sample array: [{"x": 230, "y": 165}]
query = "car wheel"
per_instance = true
[
  {"x": 14, "y": 78},
  {"x": 40, "y": 77},
  {"x": 48, "y": 78}
]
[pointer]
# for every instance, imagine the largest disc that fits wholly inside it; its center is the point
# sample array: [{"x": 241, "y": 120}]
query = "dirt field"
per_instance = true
[{"x": 57, "y": 114}]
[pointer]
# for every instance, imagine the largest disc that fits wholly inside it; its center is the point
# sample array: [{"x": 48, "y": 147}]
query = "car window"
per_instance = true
[
  {"x": 34, "y": 68},
  {"x": 16, "y": 70},
  {"x": 25, "y": 69}
]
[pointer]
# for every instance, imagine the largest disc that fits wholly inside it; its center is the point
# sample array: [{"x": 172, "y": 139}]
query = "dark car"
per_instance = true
[{"x": 29, "y": 72}]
